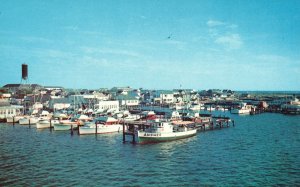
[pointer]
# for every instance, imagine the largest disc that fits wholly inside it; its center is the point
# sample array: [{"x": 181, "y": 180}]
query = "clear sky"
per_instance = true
[{"x": 233, "y": 44}]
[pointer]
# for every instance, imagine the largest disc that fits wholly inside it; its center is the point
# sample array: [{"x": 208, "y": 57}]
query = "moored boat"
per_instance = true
[
  {"x": 242, "y": 109},
  {"x": 27, "y": 119},
  {"x": 46, "y": 123},
  {"x": 101, "y": 125},
  {"x": 161, "y": 131},
  {"x": 14, "y": 119},
  {"x": 63, "y": 127},
  {"x": 43, "y": 123}
]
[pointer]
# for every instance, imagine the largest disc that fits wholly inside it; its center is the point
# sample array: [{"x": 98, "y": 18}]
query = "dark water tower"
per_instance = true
[{"x": 24, "y": 71}]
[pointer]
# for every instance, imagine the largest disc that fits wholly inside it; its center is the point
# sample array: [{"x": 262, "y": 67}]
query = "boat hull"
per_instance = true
[
  {"x": 25, "y": 121},
  {"x": 43, "y": 124},
  {"x": 240, "y": 111},
  {"x": 101, "y": 129},
  {"x": 63, "y": 127},
  {"x": 12, "y": 119},
  {"x": 145, "y": 137}
]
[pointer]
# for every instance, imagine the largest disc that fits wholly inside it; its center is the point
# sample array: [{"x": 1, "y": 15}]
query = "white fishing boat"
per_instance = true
[
  {"x": 46, "y": 123},
  {"x": 14, "y": 119},
  {"x": 43, "y": 123},
  {"x": 161, "y": 131},
  {"x": 197, "y": 107},
  {"x": 27, "y": 119},
  {"x": 175, "y": 116},
  {"x": 242, "y": 109},
  {"x": 63, "y": 127},
  {"x": 101, "y": 125},
  {"x": 131, "y": 117}
]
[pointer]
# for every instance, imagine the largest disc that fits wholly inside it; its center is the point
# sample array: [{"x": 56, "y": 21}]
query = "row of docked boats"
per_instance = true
[{"x": 157, "y": 130}]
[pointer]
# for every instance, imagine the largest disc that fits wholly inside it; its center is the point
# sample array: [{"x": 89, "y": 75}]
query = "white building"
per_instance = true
[
  {"x": 108, "y": 105},
  {"x": 10, "y": 111},
  {"x": 128, "y": 101},
  {"x": 164, "y": 97}
]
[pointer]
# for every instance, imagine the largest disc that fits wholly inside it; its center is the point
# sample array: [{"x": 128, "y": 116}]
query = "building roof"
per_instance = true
[
  {"x": 20, "y": 85},
  {"x": 126, "y": 97},
  {"x": 164, "y": 92}
]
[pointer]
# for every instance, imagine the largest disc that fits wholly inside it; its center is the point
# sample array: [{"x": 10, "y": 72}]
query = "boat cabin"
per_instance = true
[
  {"x": 105, "y": 120},
  {"x": 159, "y": 127}
]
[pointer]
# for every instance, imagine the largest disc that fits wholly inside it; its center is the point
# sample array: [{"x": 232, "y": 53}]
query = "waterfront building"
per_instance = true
[
  {"x": 120, "y": 90},
  {"x": 163, "y": 97},
  {"x": 10, "y": 111},
  {"x": 108, "y": 105},
  {"x": 127, "y": 101}
]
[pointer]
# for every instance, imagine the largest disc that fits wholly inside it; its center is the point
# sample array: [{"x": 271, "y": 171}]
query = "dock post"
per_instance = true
[
  {"x": 96, "y": 130},
  {"x": 78, "y": 129},
  {"x": 72, "y": 130},
  {"x": 50, "y": 125},
  {"x": 29, "y": 123},
  {"x": 133, "y": 135},
  {"x": 212, "y": 125},
  {"x": 123, "y": 132},
  {"x": 227, "y": 123},
  {"x": 233, "y": 123},
  {"x": 14, "y": 121}
]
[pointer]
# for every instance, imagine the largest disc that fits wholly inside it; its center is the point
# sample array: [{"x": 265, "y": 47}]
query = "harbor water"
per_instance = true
[{"x": 261, "y": 150}]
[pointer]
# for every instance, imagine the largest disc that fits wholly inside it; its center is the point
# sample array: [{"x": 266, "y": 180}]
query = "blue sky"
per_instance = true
[{"x": 239, "y": 45}]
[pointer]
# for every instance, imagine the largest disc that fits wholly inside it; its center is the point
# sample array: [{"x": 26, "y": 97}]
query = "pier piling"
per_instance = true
[
  {"x": 123, "y": 132},
  {"x": 13, "y": 121},
  {"x": 133, "y": 136},
  {"x": 96, "y": 130},
  {"x": 29, "y": 123},
  {"x": 71, "y": 130}
]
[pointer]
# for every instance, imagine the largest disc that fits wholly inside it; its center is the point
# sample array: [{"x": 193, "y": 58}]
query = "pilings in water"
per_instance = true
[
  {"x": 215, "y": 123},
  {"x": 73, "y": 128},
  {"x": 132, "y": 128},
  {"x": 50, "y": 125},
  {"x": 96, "y": 130},
  {"x": 130, "y": 131},
  {"x": 124, "y": 133}
]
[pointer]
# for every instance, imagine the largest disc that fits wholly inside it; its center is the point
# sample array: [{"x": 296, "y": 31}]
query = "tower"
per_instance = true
[{"x": 24, "y": 73}]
